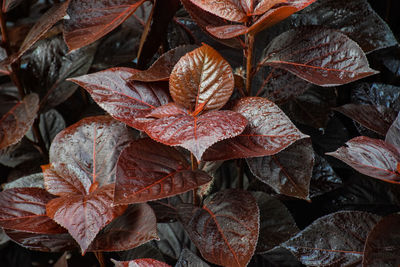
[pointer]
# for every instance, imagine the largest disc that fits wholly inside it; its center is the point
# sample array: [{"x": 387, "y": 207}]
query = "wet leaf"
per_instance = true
[
  {"x": 189, "y": 259},
  {"x": 228, "y": 9},
  {"x": 225, "y": 229},
  {"x": 196, "y": 133},
  {"x": 201, "y": 80},
  {"x": 324, "y": 179},
  {"x": 336, "y": 239},
  {"x": 382, "y": 246},
  {"x": 378, "y": 94},
  {"x": 140, "y": 263},
  {"x": 287, "y": 172},
  {"x": 19, "y": 153},
  {"x": 269, "y": 131},
  {"x": 98, "y": 19},
  {"x": 227, "y": 31},
  {"x": 18, "y": 120},
  {"x": 320, "y": 56},
  {"x": 110, "y": 88},
  {"x": 33, "y": 180},
  {"x": 372, "y": 157},
  {"x": 147, "y": 170},
  {"x": 393, "y": 134},
  {"x": 165, "y": 209}
]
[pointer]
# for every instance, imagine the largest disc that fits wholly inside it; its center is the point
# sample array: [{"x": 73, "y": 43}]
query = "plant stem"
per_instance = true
[
  {"x": 100, "y": 258},
  {"x": 196, "y": 200},
  {"x": 249, "y": 57}
]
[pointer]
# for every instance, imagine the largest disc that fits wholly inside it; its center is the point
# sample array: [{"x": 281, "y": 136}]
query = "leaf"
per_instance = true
[
  {"x": 110, "y": 88},
  {"x": 320, "y": 56},
  {"x": 24, "y": 209},
  {"x": 97, "y": 19},
  {"x": 324, "y": 179},
  {"x": 227, "y": 31},
  {"x": 10, "y": 4},
  {"x": 17, "y": 121},
  {"x": 276, "y": 223},
  {"x": 19, "y": 153},
  {"x": 165, "y": 209},
  {"x": 33, "y": 180},
  {"x": 225, "y": 229},
  {"x": 132, "y": 229},
  {"x": 147, "y": 170},
  {"x": 228, "y": 9},
  {"x": 372, "y": 157},
  {"x": 201, "y": 80},
  {"x": 147, "y": 250},
  {"x": 287, "y": 172},
  {"x": 393, "y": 134},
  {"x": 269, "y": 131},
  {"x": 336, "y": 239},
  {"x": 162, "y": 67},
  {"x": 196, "y": 133},
  {"x": 382, "y": 246},
  {"x": 188, "y": 259},
  {"x": 378, "y": 94},
  {"x": 140, "y": 263}
]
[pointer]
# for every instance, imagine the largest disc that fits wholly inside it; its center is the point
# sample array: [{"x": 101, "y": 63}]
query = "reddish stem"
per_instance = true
[
  {"x": 249, "y": 66},
  {"x": 196, "y": 200}
]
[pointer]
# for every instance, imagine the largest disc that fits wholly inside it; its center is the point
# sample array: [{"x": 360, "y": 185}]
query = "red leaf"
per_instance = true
[
  {"x": 269, "y": 131},
  {"x": 271, "y": 17},
  {"x": 265, "y": 5},
  {"x": 168, "y": 110},
  {"x": 196, "y": 133},
  {"x": 140, "y": 263},
  {"x": 162, "y": 67},
  {"x": 202, "y": 79},
  {"x": 127, "y": 101},
  {"x": 226, "y": 9},
  {"x": 147, "y": 170},
  {"x": 24, "y": 209},
  {"x": 225, "y": 229},
  {"x": 92, "y": 19},
  {"x": 17, "y": 121},
  {"x": 372, "y": 157},
  {"x": 393, "y": 134},
  {"x": 227, "y": 31},
  {"x": 321, "y": 56}
]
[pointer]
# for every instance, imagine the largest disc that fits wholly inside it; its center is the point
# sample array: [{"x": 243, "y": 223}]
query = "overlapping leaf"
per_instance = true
[
  {"x": 225, "y": 229},
  {"x": 140, "y": 263},
  {"x": 393, "y": 134},
  {"x": 188, "y": 258},
  {"x": 90, "y": 20},
  {"x": 127, "y": 101},
  {"x": 269, "y": 131},
  {"x": 229, "y": 9},
  {"x": 147, "y": 170},
  {"x": 321, "y": 56}
]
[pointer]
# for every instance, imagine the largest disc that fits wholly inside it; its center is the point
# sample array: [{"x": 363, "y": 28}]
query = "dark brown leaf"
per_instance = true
[
  {"x": 324, "y": 179},
  {"x": 225, "y": 229},
  {"x": 393, "y": 134},
  {"x": 189, "y": 259},
  {"x": 140, "y": 263},
  {"x": 10, "y": 4}
]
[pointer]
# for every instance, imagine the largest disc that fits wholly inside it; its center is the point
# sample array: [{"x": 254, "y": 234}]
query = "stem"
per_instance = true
[
  {"x": 249, "y": 57},
  {"x": 100, "y": 258},
  {"x": 196, "y": 200}
]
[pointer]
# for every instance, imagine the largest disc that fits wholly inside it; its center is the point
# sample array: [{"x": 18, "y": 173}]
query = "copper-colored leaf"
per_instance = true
[
  {"x": 18, "y": 120},
  {"x": 140, "y": 263},
  {"x": 382, "y": 247},
  {"x": 372, "y": 157},
  {"x": 227, "y": 31},
  {"x": 202, "y": 80},
  {"x": 336, "y": 239},
  {"x": 127, "y": 101},
  {"x": 147, "y": 170},
  {"x": 225, "y": 229},
  {"x": 24, "y": 209},
  {"x": 269, "y": 131},
  {"x": 162, "y": 67},
  {"x": 271, "y": 17},
  {"x": 265, "y": 5},
  {"x": 197, "y": 133},
  {"x": 287, "y": 172},
  {"x": 90, "y": 20},
  {"x": 321, "y": 56},
  {"x": 227, "y": 9}
]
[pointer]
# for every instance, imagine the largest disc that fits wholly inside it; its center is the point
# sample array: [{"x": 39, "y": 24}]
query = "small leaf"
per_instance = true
[
  {"x": 269, "y": 131},
  {"x": 336, "y": 239},
  {"x": 98, "y": 19},
  {"x": 140, "y": 263},
  {"x": 127, "y": 101},
  {"x": 321, "y": 56},
  {"x": 201, "y": 80},
  {"x": 225, "y": 229},
  {"x": 227, "y": 31},
  {"x": 227, "y": 9},
  {"x": 382, "y": 247},
  {"x": 372, "y": 157}
]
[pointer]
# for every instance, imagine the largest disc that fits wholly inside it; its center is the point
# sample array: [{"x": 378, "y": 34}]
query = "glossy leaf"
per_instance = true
[
  {"x": 271, "y": 17},
  {"x": 196, "y": 133},
  {"x": 89, "y": 20},
  {"x": 228, "y": 9},
  {"x": 225, "y": 229},
  {"x": 162, "y": 67},
  {"x": 335, "y": 239},
  {"x": 372, "y": 157},
  {"x": 201, "y": 80},
  {"x": 140, "y": 263},
  {"x": 393, "y": 134},
  {"x": 321, "y": 56},
  {"x": 287, "y": 172},
  {"x": 133, "y": 228},
  {"x": 17, "y": 121},
  {"x": 269, "y": 131},
  {"x": 147, "y": 170},
  {"x": 324, "y": 179},
  {"x": 33, "y": 180},
  {"x": 379, "y": 94},
  {"x": 382, "y": 247},
  {"x": 127, "y": 101},
  {"x": 19, "y": 153},
  {"x": 227, "y": 31}
]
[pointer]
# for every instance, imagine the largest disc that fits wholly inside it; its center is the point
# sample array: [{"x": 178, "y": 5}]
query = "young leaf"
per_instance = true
[
  {"x": 382, "y": 247},
  {"x": 372, "y": 157},
  {"x": 18, "y": 120},
  {"x": 321, "y": 56},
  {"x": 227, "y": 31},
  {"x": 147, "y": 170},
  {"x": 201, "y": 80},
  {"x": 269, "y": 131},
  {"x": 127, "y": 101},
  {"x": 335, "y": 238},
  {"x": 225, "y": 229},
  {"x": 89, "y": 20},
  {"x": 140, "y": 263},
  {"x": 196, "y": 133}
]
